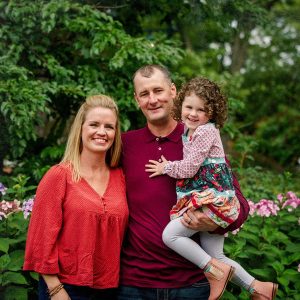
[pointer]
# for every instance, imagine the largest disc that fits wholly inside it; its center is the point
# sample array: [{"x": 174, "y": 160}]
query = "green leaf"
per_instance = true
[
  {"x": 34, "y": 275},
  {"x": 283, "y": 280},
  {"x": 278, "y": 267},
  {"x": 15, "y": 293},
  {"x": 263, "y": 273},
  {"x": 4, "y": 261},
  {"x": 4, "y": 244},
  {"x": 17, "y": 260},
  {"x": 12, "y": 277},
  {"x": 291, "y": 275}
]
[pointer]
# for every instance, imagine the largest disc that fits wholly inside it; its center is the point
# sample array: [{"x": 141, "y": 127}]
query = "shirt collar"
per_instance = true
[{"x": 174, "y": 136}]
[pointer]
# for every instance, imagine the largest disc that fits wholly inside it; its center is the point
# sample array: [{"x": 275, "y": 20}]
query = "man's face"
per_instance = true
[{"x": 155, "y": 96}]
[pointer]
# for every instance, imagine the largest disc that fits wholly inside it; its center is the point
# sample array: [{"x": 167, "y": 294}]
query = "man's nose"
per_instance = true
[{"x": 152, "y": 98}]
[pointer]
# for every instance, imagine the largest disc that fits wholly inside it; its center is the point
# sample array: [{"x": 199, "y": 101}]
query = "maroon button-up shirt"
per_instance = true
[{"x": 146, "y": 261}]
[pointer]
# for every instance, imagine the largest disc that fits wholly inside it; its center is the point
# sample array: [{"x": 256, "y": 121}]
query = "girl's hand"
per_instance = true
[{"x": 155, "y": 167}]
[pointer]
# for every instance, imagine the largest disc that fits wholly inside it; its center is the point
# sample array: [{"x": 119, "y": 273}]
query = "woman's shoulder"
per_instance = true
[
  {"x": 58, "y": 171},
  {"x": 118, "y": 176},
  {"x": 117, "y": 172}
]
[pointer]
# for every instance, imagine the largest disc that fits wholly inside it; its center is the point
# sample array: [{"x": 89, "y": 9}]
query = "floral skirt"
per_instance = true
[{"x": 210, "y": 190}]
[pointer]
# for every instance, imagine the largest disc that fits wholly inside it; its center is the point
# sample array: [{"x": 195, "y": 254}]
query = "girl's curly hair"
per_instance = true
[{"x": 215, "y": 103}]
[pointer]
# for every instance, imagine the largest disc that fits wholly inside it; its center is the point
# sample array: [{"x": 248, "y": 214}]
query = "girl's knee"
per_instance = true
[{"x": 167, "y": 237}]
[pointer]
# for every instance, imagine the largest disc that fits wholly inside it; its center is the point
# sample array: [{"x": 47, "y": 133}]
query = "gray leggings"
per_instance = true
[{"x": 177, "y": 237}]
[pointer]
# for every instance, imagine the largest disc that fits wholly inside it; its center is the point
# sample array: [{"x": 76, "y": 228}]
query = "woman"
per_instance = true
[{"x": 80, "y": 212}]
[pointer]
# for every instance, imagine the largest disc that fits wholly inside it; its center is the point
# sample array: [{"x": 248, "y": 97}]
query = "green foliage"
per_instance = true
[
  {"x": 15, "y": 283},
  {"x": 259, "y": 183},
  {"x": 55, "y": 53},
  {"x": 275, "y": 240}
]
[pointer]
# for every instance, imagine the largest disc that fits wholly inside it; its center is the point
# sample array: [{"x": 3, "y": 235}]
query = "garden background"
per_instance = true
[{"x": 55, "y": 53}]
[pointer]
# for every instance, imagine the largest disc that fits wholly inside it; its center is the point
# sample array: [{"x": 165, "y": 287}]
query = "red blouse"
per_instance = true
[{"x": 74, "y": 232}]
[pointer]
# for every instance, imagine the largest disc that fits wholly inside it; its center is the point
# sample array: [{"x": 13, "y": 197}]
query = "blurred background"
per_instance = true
[{"x": 55, "y": 53}]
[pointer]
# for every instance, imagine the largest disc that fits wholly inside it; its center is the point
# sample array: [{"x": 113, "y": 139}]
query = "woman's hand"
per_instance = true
[
  {"x": 61, "y": 295},
  {"x": 197, "y": 220}
]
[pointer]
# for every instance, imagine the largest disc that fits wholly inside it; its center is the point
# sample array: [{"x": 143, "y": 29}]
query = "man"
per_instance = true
[{"x": 149, "y": 270}]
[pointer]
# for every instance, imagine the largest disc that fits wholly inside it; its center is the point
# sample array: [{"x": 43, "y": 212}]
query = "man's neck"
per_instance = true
[{"x": 162, "y": 130}]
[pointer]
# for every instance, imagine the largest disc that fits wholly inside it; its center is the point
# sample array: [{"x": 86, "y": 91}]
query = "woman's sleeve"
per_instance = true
[
  {"x": 41, "y": 254},
  {"x": 201, "y": 145},
  {"x": 244, "y": 208}
]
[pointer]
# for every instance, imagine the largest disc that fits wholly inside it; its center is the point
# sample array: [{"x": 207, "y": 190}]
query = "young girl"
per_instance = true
[{"x": 205, "y": 183}]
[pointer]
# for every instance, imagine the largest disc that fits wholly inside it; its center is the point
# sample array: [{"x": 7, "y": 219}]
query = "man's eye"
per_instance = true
[{"x": 143, "y": 94}]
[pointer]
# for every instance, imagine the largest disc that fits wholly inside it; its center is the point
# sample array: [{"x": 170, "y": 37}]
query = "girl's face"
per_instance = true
[
  {"x": 192, "y": 113},
  {"x": 98, "y": 130}
]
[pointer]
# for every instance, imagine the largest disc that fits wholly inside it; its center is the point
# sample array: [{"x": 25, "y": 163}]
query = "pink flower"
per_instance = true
[
  {"x": 266, "y": 208},
  {"x": 292, "y": 200},
  {"x": 8, "y": 207},
  {"x": 280, "y": 197},
  {"x": 252, "y": 207}
]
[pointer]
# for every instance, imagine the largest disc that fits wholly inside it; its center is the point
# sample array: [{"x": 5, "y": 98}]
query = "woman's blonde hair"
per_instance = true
[{"x": 74, "y": 143}]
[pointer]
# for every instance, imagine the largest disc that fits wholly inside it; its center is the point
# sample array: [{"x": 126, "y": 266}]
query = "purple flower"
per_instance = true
[
  {"x": 2, "y": 189},
  {"x": 27, "y": 207}
]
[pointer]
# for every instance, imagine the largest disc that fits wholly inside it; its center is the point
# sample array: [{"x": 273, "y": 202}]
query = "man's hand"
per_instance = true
[
  {"x": 197, "y": 220},
  {"x": 155, "y": 167}
]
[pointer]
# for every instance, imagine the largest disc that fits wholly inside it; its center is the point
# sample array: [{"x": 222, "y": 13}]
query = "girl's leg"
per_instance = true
[
  {"x": 177, "y": 237},
  {"x": 213, "y": 244}
]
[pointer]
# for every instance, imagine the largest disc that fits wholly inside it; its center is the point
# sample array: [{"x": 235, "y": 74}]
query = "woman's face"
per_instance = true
[{"x": 98, "y": 130}]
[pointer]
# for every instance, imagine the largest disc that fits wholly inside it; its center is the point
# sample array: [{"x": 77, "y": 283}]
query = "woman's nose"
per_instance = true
[{"x": 101, "y": 130}]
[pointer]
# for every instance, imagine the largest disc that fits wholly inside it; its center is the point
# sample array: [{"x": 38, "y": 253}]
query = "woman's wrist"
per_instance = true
[{"x": 52, "y": 292}]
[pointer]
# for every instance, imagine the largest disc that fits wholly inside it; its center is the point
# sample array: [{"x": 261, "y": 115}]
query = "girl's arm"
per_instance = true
[{"x": 203, "y": 139}]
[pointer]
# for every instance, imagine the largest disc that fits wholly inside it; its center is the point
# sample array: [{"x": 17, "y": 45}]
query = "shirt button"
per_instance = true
[
  {"x": 159, "y": 148},
  {"x": 157, "y": 139}
]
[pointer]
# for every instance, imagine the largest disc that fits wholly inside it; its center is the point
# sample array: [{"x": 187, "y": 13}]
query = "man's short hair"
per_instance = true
[{"x": 148, "y": 70}]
